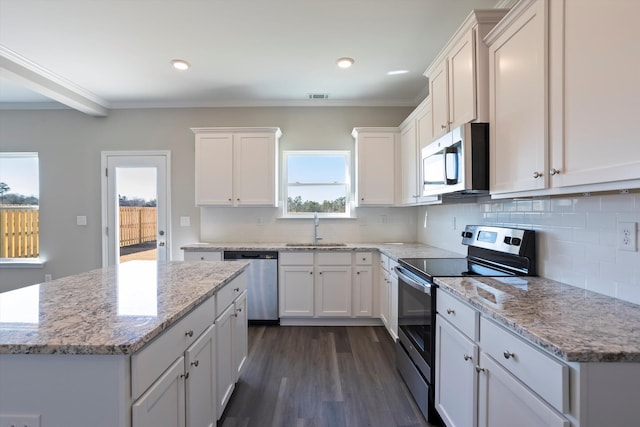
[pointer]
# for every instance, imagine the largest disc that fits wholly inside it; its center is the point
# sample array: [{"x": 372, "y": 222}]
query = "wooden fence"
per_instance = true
[
  {"x": 20, "y": 229},
  {"x": 137, "y": 225},
  {"x": 19, "y": 232}
]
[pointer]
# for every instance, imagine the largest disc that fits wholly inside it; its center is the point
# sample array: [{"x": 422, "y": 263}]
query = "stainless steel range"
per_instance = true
[{"x": 492, "y": 251}]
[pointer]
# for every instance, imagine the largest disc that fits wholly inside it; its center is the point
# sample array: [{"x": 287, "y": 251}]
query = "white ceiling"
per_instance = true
[{"x": 94, "y": 55}]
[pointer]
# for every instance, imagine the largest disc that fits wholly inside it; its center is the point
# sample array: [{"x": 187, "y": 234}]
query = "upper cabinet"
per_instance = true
[
  {"x": 556, "y": 106},
  {"x": 375, "y": 165},
  {"x": 458, "y": 78},
  {"x": 415, "y": 133},
  {"x": 236, "y": 166}
]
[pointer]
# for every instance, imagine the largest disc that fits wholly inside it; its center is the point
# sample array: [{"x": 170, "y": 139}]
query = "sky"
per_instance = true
[
  {"x": 306, "y": 169},
  {"x": 20, "y": 174},
  {"x": 137, "y": 183}
]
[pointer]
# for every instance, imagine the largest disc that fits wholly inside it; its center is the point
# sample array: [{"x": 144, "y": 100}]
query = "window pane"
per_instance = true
[
  {"x": 19, "y": 200},
  {"x": 317, "y": 181},
  {"x": 320, "y": 168}
]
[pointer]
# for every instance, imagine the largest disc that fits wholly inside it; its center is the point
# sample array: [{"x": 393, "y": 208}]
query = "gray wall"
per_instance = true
[{"x": 69, "y": 144}]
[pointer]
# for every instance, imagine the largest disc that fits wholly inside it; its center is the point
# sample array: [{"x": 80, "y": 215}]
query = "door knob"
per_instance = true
[{"x": 161, "y": 232}]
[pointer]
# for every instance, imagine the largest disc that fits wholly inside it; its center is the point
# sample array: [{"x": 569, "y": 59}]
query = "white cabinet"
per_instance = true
[
  {"x": 486, "y": 376},
  {"x": 295, "y": 284},
  {"x": 333, "y": 284},
  {"x": 225, "y": 371},
  {"x": 236, "y": 166},
  {"x": 363, "y": 285},
  {"x": 415, "y": 133},
  {"x": 240, "y": 330},
  {"x": 505, "y": 402},
  {"x": 458, "y": 77},
  {"x": 200, "y": 364},
  {"x": 163, "y": 404},
  {"x": 202, "y": 255},
  {"x": 375, "y": 166},
  {"x": 456, "y": 380},
  {"x": 518, "y": 100},
  {"x": 388, "y": 288}
]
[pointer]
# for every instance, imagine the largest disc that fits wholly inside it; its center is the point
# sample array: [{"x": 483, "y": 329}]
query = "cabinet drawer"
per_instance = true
[
  {"x": 543, "y": 374},
  {"x": 363, "y": 258},
  {"x": 152, "y": 360},
  {"x": 203, "y": 256},
  {"x": 333, "y": 258},
  {"x": 461, "y": 315},
  {"x": 295, "y": 258},
  {"x": 229, "y": 292}
]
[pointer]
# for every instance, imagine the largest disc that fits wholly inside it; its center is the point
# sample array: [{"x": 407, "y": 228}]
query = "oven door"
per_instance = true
[{"x": 416, "y": 318}]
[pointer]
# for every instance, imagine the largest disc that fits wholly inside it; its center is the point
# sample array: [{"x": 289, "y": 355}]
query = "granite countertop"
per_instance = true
[
  {"x": 393, "y": 250},
  {"x": 114, "y": 310},
  {"x": 574, "y": 324}
]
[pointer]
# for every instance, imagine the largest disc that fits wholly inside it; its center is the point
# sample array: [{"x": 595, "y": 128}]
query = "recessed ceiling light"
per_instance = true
[
  {"x": 180, "y": 64},
  {"x": 396, "y": 72},
  {"x": 345, "y": 62}
]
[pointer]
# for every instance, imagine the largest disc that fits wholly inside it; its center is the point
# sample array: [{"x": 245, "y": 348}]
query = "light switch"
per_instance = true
[
  {"x": 81, "y": 220},
  {"x": 185, "y": 221}
]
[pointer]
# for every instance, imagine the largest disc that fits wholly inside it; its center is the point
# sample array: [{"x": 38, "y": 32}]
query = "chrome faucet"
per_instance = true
[{"x": 316, "y": 224}]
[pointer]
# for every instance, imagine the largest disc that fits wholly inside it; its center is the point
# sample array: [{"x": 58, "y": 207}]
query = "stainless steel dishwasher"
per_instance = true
[{"x": 262, "y": 284}]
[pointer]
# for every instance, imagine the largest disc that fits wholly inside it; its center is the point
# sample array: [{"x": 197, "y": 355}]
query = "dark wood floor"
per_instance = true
[{"x": 321, "y": 376}]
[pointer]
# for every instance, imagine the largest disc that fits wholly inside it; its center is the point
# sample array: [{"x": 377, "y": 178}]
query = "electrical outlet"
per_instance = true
[
  {"x": 627, "y": 236},
  {"x": 19, "y": 420}
]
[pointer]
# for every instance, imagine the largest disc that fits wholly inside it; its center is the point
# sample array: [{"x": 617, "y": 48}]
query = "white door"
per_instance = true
[{"x": 139, "y": 177}]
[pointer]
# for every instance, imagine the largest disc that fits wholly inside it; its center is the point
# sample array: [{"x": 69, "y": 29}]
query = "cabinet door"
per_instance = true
[
  {"x": 439, "y": 92},
  {"x": 333, "y": 291},
  {"x": 255, "y": 169},
  {"x": 393, "y": 305},
  {"x": 376, "y": 169},
  {"x": 295, "y": 289},
  {"x": 225, "y": 372},
  {"x": 385, "y": 285},
  {"x": 462, "y": 82},
  {"x": 409, "y": 165},
  {"x": 363, "y": 292},
  {"x": 163, "y": 404},
  {"x": 240, "y": 334},
  {"x": 592, "y": 124},
  {"x": 214, "y": 169},
  {"x": 505, "y": 402},
  {"x": 518, "y": 104},
  {"x": 456, "y": 378},
  {"x": 200, "y": 363}
]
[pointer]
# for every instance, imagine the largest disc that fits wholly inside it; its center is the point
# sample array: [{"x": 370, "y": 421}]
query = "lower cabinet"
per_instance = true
[
  {"x": 505, "y": 402},
  {"x": 194, "y": 390},
  {"x": 163, "y": 404},
  {"x": 333, "y": 291},
  {"x": 488, "y": 377}
]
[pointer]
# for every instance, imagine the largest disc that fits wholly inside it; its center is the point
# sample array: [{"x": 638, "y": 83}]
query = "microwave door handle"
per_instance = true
[{"x": 451, "y": 151}]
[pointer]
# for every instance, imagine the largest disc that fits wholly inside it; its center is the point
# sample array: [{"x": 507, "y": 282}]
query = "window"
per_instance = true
[
  {"x": 317, "y": 181},
  {"x": 19, "y": 200}
]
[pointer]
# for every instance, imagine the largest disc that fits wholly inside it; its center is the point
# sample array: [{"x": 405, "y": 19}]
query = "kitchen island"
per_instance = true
[{"x": 116, "y": 346}]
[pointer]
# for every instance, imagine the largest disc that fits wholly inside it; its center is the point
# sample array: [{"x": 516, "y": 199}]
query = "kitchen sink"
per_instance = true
[{"x": 315, "y": 244}]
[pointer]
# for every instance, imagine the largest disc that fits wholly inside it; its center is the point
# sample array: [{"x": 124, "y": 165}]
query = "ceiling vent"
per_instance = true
[{"x": 318, "y": 96}]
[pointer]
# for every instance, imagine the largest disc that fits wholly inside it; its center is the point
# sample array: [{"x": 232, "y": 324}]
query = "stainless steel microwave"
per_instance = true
[{"x": 457, "y": 162}]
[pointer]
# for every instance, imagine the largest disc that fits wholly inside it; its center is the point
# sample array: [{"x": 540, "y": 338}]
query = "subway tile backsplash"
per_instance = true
[{"x": 577, "y": 236}]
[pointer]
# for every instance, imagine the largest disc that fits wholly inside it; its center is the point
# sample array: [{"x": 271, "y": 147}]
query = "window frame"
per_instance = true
[{"x": 348, "y": 183}]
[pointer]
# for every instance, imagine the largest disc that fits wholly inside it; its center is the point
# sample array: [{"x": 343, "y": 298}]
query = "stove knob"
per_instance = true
[
  {"x": 516, "y": 241},
  {"x": 507, "y": 240},
  {"x": 467, "y": 234}
]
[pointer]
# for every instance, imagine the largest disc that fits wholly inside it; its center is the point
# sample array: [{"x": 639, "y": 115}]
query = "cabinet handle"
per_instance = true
[
  {"x": 320, "y": 272},
  {"x": 185, "y": 376},
  {"x": 537, "y": 174},
  {"x": 479, "y": 369},
  {"x": 201, "y": 258},
  {"x": 236, "y": 289},
  {"x": 362, "y": 199},
  {"x": 189, "y": 333},
  {"x": 467, "y": 357},
  {"x": 230, "y": 199},
  {"x": 451, "y": 311},
  {"x": 443, "y": 127},
  {"x": 235, "y": 314},
  {"x": 240, "y": 309},
  {"x": 195, "y": 363},
  {"x": 357, "y": 272},
  {"x": 311, "y": 272},
  {"x": 238, "y": 199},
  {"x": 508, "y": 354},
  {"x": 554, "y": 171}
]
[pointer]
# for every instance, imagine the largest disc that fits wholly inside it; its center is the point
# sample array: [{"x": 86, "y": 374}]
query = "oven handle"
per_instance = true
[{"x": 421, "y": 286}]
